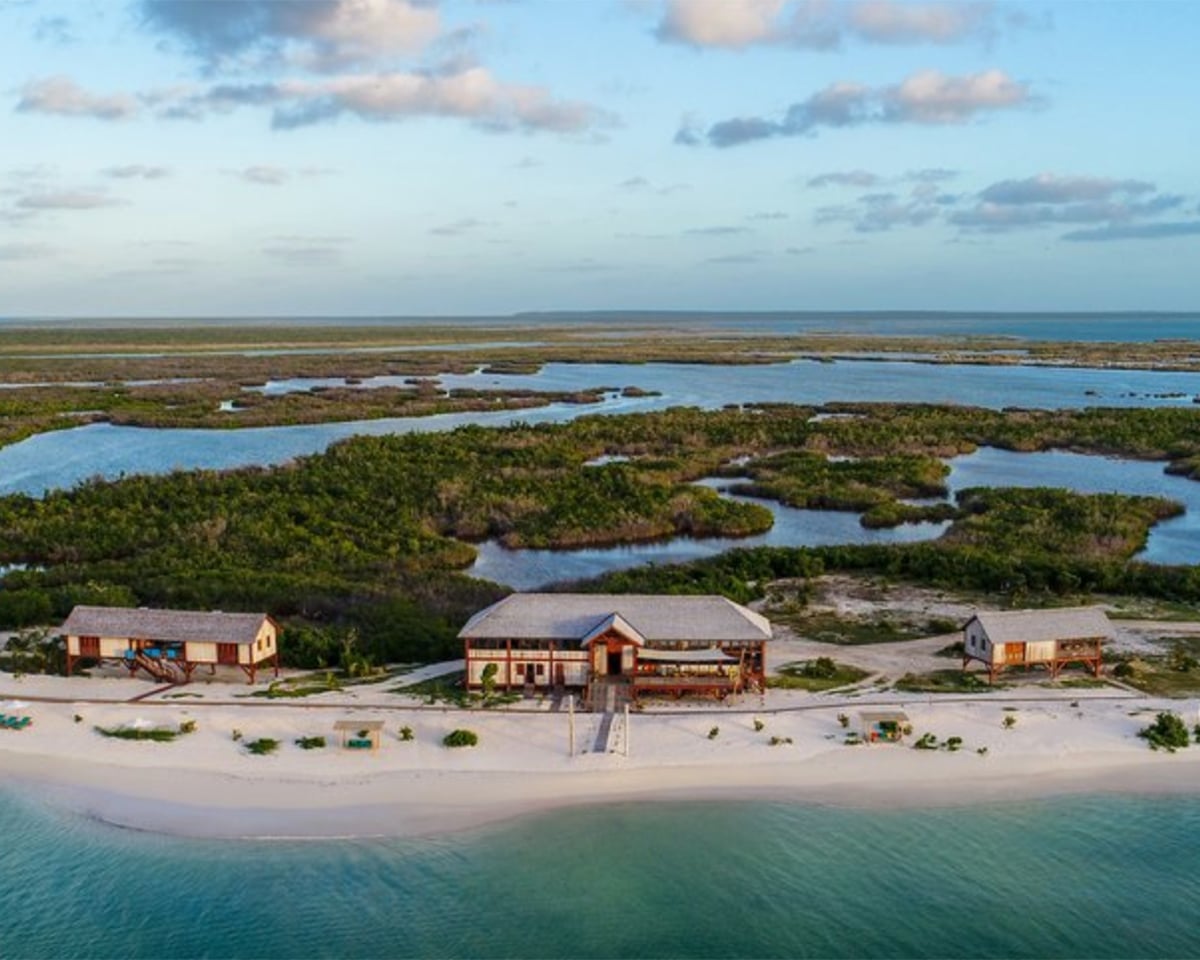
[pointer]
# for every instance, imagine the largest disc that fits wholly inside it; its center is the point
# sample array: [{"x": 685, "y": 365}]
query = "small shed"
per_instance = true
[
  {"x": 359, "y": 734},
  {"x": 884, "y": 726}
]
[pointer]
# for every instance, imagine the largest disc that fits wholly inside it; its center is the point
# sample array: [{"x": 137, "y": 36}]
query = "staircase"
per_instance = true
[{"x": 165, "y": 671}]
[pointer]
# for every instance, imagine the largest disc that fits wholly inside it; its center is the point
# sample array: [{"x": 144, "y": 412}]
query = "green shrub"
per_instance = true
[
  {"x": 714, "y": 733},
  {"x": 262, "y": 746},
  {"x": 460, "y": 738},
  {"x": 236, "y": 735},
  {"x": 1009, "y": 722},
  {"x": 1123, "y": 670},
  {"x": 779, "y": 741},
  {"x": 157, "y": 734},
  {"x": 406, "y": 733},
  {"x": 1167, "y": 731},
  {"x": 927, "y": 741},
  {"x": 187, "y": 726},
  {"x": 310, "y": 743},
  {"x": 843, "y": 720},
  {"x": 758, "y": 725},
  {"x": 953, "y": 743}
]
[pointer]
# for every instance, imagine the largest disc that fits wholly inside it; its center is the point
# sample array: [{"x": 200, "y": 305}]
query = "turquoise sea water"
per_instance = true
[{"x": 1081, "y": 877}]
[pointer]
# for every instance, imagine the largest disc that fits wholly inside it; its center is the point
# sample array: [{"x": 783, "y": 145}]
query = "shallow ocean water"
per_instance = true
[{"x": 1085, "y": 876}]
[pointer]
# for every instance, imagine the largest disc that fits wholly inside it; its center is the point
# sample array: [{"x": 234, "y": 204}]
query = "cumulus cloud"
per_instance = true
[
  {"x": 821, "y": 25},
  {"x": 927, "y": 97},
  {"x": 1103, "y": 208},
  {"x": 1049, "y": 188},
  {"x": 63, "y": 97},
  {"x": 317, "y": 34},
  {"x": 1048, "y": 198},
  {"x": 474, "y": 94},
  {"x": 136, "y": 171},
  {"x": 67, "y": 200}
]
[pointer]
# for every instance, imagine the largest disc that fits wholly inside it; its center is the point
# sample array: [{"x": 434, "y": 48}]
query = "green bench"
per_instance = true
[{"x": 357, "y": 743}]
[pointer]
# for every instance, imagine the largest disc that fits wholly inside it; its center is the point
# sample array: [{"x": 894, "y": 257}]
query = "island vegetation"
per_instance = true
[{"x": 372, "y": 535}]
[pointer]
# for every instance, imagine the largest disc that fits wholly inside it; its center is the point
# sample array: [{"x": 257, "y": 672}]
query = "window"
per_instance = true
[{"x": 541, "y": 668}]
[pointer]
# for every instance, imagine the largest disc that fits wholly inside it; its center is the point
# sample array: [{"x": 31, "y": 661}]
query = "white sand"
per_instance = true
[{"x": 205, "y": 784}]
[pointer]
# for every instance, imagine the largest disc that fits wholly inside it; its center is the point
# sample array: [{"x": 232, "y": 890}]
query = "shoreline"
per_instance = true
[{"x": 204, "y": 785}]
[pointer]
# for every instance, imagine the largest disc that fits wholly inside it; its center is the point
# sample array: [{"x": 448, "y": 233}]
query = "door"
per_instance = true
[
  {"x": 227, "y": 653},
  {"x": 89, "y": 647},
  {"x": 614, "y": 662},
  {"x": 1014, "y": 653},
  {"x": 530, "y": 675}
]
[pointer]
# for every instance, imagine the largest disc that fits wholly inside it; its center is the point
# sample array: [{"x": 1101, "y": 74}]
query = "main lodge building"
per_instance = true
[{"x": 617, "y": 646}]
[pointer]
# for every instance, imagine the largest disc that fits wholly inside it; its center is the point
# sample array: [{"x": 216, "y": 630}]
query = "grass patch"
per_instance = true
[
  {"x": 310, "y": 743},
  {"x": 262, "y": 746},
  {"x": 828, "y": 627},
  {"x": 1158, "y": 676},
  {"x": 816, "y": 675},
  {"x": 1083, "y": 683},
  {"x": 297, "y": 687},
  {"x": 945, "y": 681},
  {"x": 157, "y": 734}
]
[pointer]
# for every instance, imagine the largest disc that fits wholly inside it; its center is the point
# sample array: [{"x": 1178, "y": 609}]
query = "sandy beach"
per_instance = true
[{"x": 206, "y": 784}]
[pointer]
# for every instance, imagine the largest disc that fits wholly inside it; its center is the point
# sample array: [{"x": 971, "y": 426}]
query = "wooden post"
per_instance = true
[
  {"x": 571, "y": 723},
  {"x": 625, "y": 743}
]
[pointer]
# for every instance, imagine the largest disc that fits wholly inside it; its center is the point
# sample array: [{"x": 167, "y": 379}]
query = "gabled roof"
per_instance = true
[
  {"x": 1069, "y": 623},
  {"x": 171, "y": 625},
  {"x": 616, "y": 623},
  {"x": 658, "y": 619}
]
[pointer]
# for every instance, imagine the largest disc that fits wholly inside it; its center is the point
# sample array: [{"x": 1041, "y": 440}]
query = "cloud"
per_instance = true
[
  {"x": 877, "y": 212},
  {"x": 1110, "y": 209},
  {"x": 61, "y": 96},
  {"x": 1049, "y": 188},
  {"x": 880, "y": 21},
  {"x": 136, "y": 171},
  {"x": 634, "y": 183},
  {"x": 820, "y": 25},
  {"x": 721, "y": 231},
  {"x": 765, "y": 215},
  {"x": 457, "y": 227},
  {"x": 472, "y": 94},
  {"x": 735, "y": 258},
  {"x": 317, "y": 34},
  {"x": 262, "y": 175},
  {"x": 927, "y": 97},
  {"x": 931, "y": 175},
  {"x": 844, "y": 178},
  {"x": 67, "y": 200},
  {"x": 23, "y": 251},
  {"x": 1136, "y": 231}
]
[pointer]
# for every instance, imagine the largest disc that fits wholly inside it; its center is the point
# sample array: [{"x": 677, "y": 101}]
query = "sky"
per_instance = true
[{"x": 408, "y": 157}]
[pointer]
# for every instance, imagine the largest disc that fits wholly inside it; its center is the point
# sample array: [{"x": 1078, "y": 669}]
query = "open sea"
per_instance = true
[{"x": 1079, "y": 877}]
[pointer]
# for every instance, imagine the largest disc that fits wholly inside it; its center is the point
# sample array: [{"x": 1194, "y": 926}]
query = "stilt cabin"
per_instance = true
[
  {"x": 1037, "y": 638},
  {"x": 169, "y": 645},
  {"x": 617, "y": 647}
]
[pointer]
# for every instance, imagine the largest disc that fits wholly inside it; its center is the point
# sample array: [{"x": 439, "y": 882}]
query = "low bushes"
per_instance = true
[{"x": 460, "y": 738}]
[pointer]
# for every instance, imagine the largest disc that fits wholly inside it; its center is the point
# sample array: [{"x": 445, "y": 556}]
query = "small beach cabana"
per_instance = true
[
  {"x": 359, "y": 734},
  {"x": 1037, "y": 638},
  {"x": 170, "y": 644},
  {"x": 884, "y": 726}
]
